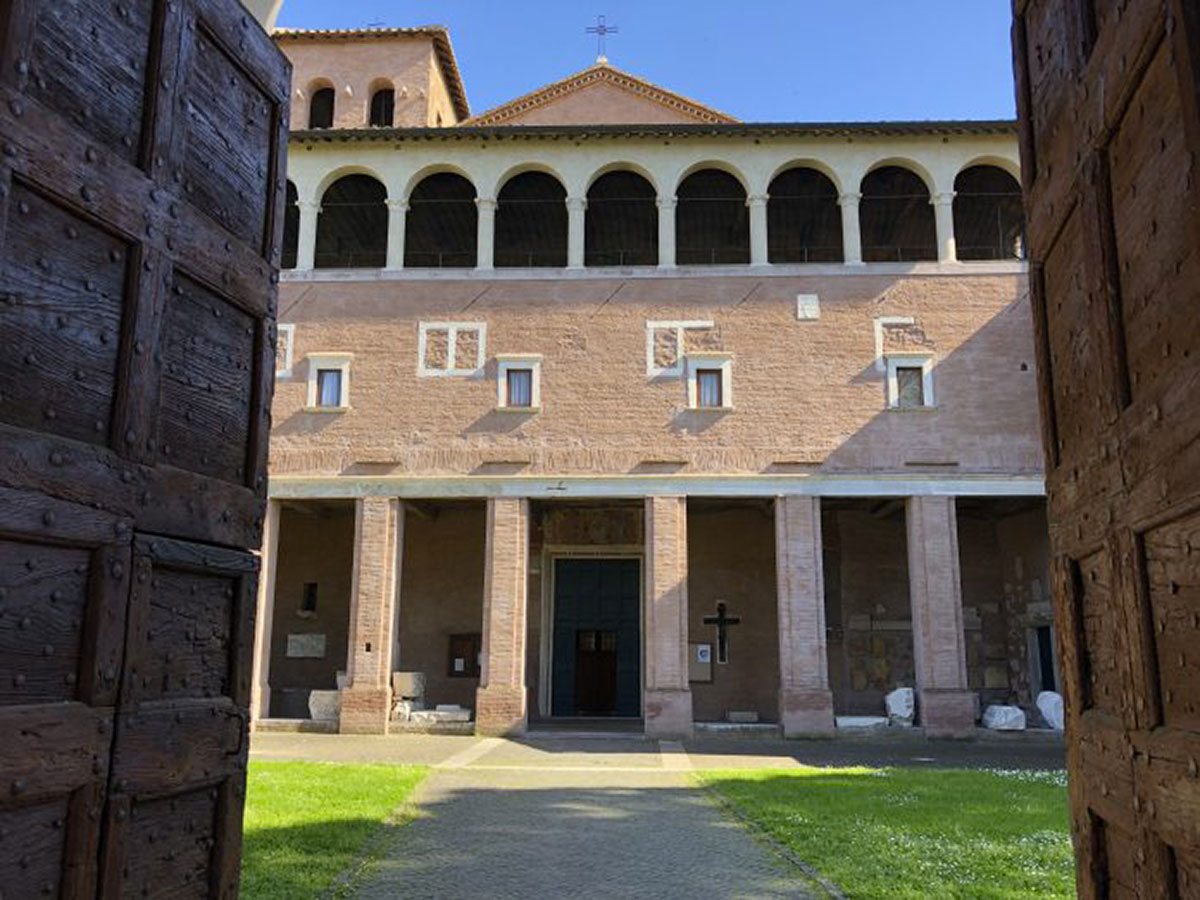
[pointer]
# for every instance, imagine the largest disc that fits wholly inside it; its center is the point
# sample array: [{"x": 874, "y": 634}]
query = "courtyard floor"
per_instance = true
[{"x": 561, "y": 815}]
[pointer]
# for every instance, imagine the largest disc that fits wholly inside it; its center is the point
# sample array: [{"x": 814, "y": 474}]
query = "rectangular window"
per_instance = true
[
  {"x": 910, "y": 387},
  {"x": 520, "y": 387},
  {"x": 708, "y": 388},
  {"x": 329, "y": 387},
  {"x": 308, "y": 602}
]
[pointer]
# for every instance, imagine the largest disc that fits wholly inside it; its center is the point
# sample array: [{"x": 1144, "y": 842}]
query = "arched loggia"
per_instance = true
[
  {"x": 621, "y": 224},
  {"x": 320, "y": 108},
  {"x": 712, "y": 223},
  {"x": 896, "y": 218},
  {"x": 989, "y": 217},
  {"x": 804, "y": 221},
  {"x": 441, "y": 228},
  {"x": 291, "y": 228},
  {"x": 352, "y": 225},
  {"x": 531, "y": 222}
]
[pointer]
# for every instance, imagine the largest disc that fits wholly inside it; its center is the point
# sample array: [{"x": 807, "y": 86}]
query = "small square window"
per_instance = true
[
  {"x": 308, "y": 603},
  {"x": 910, "y": 387},
  {"x": 329, "y": 387},
  {"x": 708, "y": 388},
  {"x": 520, "y": 387}
]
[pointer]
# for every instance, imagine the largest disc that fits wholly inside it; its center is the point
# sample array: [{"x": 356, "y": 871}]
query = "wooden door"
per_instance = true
[
  {"x": 1107, "y": 91},
  {"x": 141, "y": 179}
]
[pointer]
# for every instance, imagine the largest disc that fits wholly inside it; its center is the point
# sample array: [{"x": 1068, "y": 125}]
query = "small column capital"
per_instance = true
[
  {"x": 486, "y": 203},
  {"x": 667, "y": 202},
  {"x": 756, "y": 200},
  {"x": 310, "y": 206},
  {"x": 577, "y": 204},
  {"x": 943, "y": 198},
  {"x": 396, "y": 205},
  {"x": 849, "y": 199}
]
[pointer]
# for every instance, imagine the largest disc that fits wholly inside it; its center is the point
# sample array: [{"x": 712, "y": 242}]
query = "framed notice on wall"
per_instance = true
[
  {"x": 700, "y": 657},
  {"x": 464, "y": 653}
]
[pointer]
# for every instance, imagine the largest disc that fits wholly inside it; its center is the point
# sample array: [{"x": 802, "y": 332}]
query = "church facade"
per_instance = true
[{"x": 605, "y": 406}]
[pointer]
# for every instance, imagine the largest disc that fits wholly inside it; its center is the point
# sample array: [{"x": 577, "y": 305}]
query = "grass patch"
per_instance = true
[
  {"x": 915, "y": 833},
  {"x": 306, "y": 823}
]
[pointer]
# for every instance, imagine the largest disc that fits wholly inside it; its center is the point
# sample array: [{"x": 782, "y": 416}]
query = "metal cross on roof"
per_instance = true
[{"x": 601, "y": 30}]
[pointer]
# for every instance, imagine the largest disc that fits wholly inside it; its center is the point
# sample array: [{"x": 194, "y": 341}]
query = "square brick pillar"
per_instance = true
[
  {"x": 805, "y": 700},
  {"x": 500, "y": 704},
  {"x": 264, "y": 617},
  {"x": 374, "y": 592},
  {"x": 667, "y": 704},
  {"x": 945, "y": 705}
]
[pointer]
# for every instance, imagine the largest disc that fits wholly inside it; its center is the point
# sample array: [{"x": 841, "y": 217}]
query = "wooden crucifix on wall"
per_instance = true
[{"x": 722, "y": 620}]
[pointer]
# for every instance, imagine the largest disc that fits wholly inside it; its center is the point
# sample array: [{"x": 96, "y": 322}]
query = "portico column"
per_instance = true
[
  {"x": 851, "y": 233},
  {"x": 667, "y": 705},
  {"x": 397, "y": 214},
  {"x": 486, "y": 236},
  {"x": 576, "y": 213},
  {"x": 805, "y": 700},
  {"x": 666, "y": 232},
  {"x": 306, "y": 235},
  {"x": 944, "y": 703},
  {"x": 943, "y": 213},
  {"x": 500, "y": 704},
  {"x": 758, "y": 229},
  {"x": 260, "y": 686},
  {"x": 375, "y": 585}
]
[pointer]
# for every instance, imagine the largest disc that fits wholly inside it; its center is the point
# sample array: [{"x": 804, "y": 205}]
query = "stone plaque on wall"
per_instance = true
[{"x": 306, "y": 646}]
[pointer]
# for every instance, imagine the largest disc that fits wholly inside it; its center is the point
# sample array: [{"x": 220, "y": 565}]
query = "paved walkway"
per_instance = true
[{"x": 618, "y": 816}]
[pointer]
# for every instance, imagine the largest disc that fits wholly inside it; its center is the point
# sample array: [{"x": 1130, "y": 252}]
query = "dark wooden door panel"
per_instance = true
[
  {"x": 141, "y": 178},
  {"x": 1108, "y": 99}
]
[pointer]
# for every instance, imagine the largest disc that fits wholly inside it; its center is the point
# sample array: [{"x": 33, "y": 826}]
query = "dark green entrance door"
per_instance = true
[{"x": 597, "y": 637}]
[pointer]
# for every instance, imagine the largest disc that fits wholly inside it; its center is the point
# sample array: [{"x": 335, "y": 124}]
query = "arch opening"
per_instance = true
[
  {"x": 621, "y": 222},
  {"x": 441, "y": 228},
  {"x": 896, "y": 218},
  {"x": 804, "y": 221},
  {"x": 291, "y": 228},
  {"x": 383, "y": 108},
  {"x": 712, "y": 223},
  {"x": 352, "y": 225},
  {"x": 989, "y": 215},
  {"x": 320, "y": 108},
  {"x": 531, "y": 222}
]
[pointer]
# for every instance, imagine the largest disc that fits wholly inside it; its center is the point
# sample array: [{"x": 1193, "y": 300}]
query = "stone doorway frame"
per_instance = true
[{"x": 550, "y": 554}]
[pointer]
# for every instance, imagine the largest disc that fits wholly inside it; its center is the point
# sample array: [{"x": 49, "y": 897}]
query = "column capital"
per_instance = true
[
  {"x": 396, "y": 205},
  {"x": 486, "y": 203},
  {"x": 942, "y": 198},
  {"x": 577, "y": 204},
  {"x": 756, "y": 200},
  {"x": 850, "y": 198},
  {"x": 667, "y": 202},
  {"x": 308, "y": 206}
]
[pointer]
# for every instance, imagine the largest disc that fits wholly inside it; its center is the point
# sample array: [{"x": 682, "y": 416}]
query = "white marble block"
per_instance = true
[
  {"x": 864, "y": 722},
  {"x": 324, "y": 706},
  {"x": 901, "y": 705},
  {"x": 408, "y": 684},
  {"x": 1050, "y": 705},
  {"x": 1004, "y": 718}
]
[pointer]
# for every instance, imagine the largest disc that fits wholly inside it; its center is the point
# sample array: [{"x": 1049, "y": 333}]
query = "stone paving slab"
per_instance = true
[
  {"x": 547, "y": 832},
  {"x": 399, "y": 749}
]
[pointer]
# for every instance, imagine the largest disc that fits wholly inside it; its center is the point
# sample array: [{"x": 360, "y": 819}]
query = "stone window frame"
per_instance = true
[
  {"x": 452, "y": 329},
  {"x": 286, "y": 333},
  {"x": 319, "y": 361},
  {"x": 709, "y": 360},
  {"x": 910, "y": 359},
  {"x": 680, "y": 326},
  {"x": 808, "y": 307},
  {"x": 530, "y": 361}
]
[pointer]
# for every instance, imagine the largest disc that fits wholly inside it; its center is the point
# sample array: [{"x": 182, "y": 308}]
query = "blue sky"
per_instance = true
[{"x": 759, "y": 60}]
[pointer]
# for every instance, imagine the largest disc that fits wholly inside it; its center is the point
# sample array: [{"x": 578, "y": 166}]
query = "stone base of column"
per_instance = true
[
  {"x": 500, "y": 710},
  {"x": 806, "y": 712},
  {"x": 260, "y": 704},
  {"x": 365, "y": 710},
  {"x": 948, "y": 713},
  {"x": 668, "y": 713}
]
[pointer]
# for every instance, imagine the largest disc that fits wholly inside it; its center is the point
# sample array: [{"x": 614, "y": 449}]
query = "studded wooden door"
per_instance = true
[
  {"x": 1108, "y": 93},
  {"x": 141, "y": 178}
]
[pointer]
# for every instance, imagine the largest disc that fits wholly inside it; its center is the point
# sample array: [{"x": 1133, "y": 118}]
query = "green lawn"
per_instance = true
[
  {"x": 307, "y": 823},
  {"x": 915, "y": 833}
]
